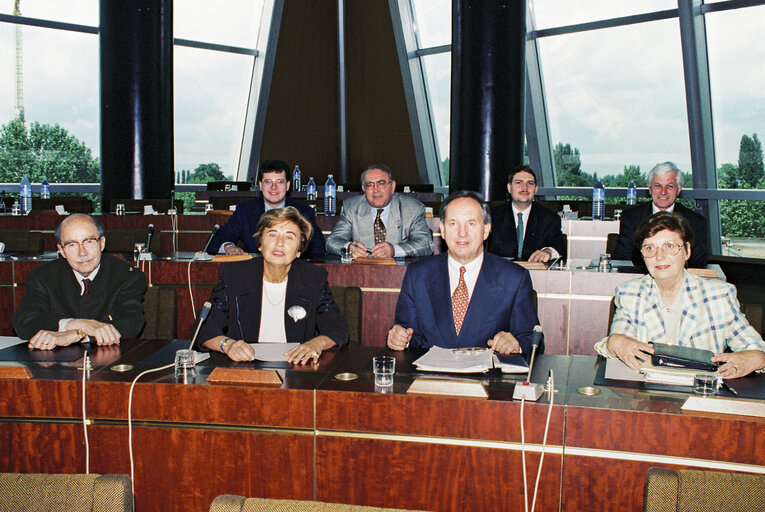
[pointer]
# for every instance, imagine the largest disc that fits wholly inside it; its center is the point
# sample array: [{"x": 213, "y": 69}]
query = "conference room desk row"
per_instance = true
[
  {"x": 318, "y": 437},
  {"x": 573, "y": 305},
  {"x": 183, "y": 233}
]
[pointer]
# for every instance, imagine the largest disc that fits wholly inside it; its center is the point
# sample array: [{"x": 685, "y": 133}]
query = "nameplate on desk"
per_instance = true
[
  {"x": 724, "y": 406},
  {"x": 447, "y": 387},
  {"x": 15, "y": 372},
  {"x": 532, "y": 265},
  {"x": 224, "y": 258},
  {"x": 247, "y": 377},
  {"x": 374, "y": 261}
]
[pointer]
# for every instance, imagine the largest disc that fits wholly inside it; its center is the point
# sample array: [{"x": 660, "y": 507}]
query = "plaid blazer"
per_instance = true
[{"x": 711, "y": 316}]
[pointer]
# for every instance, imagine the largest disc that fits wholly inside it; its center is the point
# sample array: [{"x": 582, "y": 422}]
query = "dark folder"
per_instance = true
[{"x": 683, "y": 357}]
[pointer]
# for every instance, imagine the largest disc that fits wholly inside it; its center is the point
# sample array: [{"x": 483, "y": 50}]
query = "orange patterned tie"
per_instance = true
[
  {"x": 379, "y": 228},
  {"x": 460, "y": 301}
]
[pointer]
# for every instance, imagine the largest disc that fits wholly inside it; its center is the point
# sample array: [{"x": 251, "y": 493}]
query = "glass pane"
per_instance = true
[
  {"x": 738, "y": 95},
  {"x": 234, "y": 22},
  {"x": 433, "y": 22},
  {"x": 742, "y": 228},
  {"x": 559, "y": 13},
  {"x": 60, "y": 102},
  {"x": 211, "y": 92},
  {"x": 616, "y": 96},
  {"x": 81, "y": 12},
  {"x": 438, "y": 83}
]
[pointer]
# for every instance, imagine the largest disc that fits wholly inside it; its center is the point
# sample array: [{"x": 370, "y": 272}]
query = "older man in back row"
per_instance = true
[
  {"x": 381, "y": 223},
  {"x": 467, "y": 297},
  {"x": 83, "y": 295},
  {"x": 665, "y": 181}
]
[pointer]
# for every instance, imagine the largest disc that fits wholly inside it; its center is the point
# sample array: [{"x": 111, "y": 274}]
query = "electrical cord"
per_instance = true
[
  {"x": 551, "y": 390},
  {"x": 130, "y": 419},
  {"x": 85, "y": 367}
]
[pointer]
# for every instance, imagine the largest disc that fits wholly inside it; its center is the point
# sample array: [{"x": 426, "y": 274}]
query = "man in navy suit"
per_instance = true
[
  {"x": 665, "y": 181},
  {"x": 274, "y": 183},
  {"x": 466, "y": 297},
  {"x": 523, "y": 229}
]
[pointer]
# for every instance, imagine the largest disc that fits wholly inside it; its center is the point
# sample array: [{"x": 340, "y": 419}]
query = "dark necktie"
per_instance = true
[
  {"x": 519, "y": 233},
  {"x": 379, "y": 228},
  {"x": 86, "y": 286},
  {"x": 460, "y": 301}
]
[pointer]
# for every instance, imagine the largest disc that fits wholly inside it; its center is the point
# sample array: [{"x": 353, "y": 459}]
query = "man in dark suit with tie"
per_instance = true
[
  {"x": 466, "y": 297},
  {"x": 523, "y": 229},
  {"x": 82, "y": 294},
  {"x": 274, "y": 183},
  {"x": 665, "y": 181}
]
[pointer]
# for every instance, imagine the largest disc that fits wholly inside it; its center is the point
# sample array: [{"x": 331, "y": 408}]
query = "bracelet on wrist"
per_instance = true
[{"x": 223, "y": 344}]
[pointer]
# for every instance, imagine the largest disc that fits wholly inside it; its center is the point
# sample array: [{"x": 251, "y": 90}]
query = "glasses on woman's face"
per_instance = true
[
  {"x": 88, "y": 244},
  {"x": 667, "y": 248}
]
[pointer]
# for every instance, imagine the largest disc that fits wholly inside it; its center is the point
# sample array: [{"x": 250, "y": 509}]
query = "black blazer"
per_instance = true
[
  {"x": 236, "y": 304},
  {"x": 543, "y": 230},
  {"x": 244, "y": 221},
  {"x": 632, "y": 218},
  {"x": 53, "y": 293}
]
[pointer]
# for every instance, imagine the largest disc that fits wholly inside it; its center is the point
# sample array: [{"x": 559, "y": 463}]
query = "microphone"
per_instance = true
[
  {"x": 526, "y": 389},
  {"x": 148, "y": 239},
  {"x": 203, "y": 256},
  {"x": 202, "y": 317}
]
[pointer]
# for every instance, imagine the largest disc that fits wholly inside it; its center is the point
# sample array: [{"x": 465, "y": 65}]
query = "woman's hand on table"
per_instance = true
[{"x": 632, "y": 352}]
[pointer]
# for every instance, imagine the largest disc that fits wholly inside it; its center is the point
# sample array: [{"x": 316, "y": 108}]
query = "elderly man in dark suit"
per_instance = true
[
  {"x": 665, "y": 181},
  {"x": 274, "y": 183},
  {"x": 523, "y": 229},
  {"x": 83, "y": 294},
  {"x": 466, "y": 297}
]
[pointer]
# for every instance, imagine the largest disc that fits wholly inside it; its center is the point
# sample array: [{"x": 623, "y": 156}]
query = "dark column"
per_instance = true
[
  {"x": 488, "y": 76},
  {"x": 136, "y": 44}
]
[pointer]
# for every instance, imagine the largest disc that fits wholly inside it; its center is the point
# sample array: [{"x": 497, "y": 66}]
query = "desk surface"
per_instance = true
[{"x": 319, "y": 437}]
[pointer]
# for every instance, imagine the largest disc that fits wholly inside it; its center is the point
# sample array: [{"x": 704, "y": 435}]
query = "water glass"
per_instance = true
[
  {"x": 184, "y": 365},
  {"x": 120, "y": 209},
  {"x": 137, "y": 250},
  {"x": 345, "y": 255},
  {"x": 604, "y": 265},
  {"x": 384, "y": 368},
  {"x": 704, "y": 385}
]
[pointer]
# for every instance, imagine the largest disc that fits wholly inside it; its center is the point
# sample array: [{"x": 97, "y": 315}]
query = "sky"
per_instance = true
[{"x": 617, "y": 94}]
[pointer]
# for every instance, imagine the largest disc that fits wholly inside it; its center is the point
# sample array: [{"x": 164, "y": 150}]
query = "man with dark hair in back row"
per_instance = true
[
  {"x": 274, "y": 182},
  {"x": 522, "y": 229}
]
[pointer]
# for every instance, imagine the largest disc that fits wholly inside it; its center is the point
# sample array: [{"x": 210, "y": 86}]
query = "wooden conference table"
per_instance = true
[{"x": 316, "y": 437}]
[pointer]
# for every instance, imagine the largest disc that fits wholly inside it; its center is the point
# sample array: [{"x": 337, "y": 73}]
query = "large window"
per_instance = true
[{"x": 614, "y": 102}]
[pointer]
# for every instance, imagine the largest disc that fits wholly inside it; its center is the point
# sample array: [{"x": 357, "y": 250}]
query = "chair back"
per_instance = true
[
  {"x": 611, "y": 242},
  {"x": 159, "y": 308},
  {"x": 22, "y": 240},
  {"x": 22, "y": 492},
  {"x": 692, "y": 490},
  {"x": 231, "y": 503},
  {"x": 124, "y": 240},
  {"x": 348, "y": 299}
]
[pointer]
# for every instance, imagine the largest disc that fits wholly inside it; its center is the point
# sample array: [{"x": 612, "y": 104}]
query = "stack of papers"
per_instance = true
[{"x": 471, "y": 360}]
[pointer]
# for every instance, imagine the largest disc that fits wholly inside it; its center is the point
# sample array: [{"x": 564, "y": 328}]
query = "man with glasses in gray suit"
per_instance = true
[{"x": 381, "y": 223}]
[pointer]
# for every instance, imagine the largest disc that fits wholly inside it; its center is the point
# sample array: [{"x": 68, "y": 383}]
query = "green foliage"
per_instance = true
[
  {"x": 630, "y": 173},
  {"x": 45, "y": 151},
  {"x": 207, "y": 172},
  {"x": 750, "y": 165},
  {"x": 568, "y": 167}
]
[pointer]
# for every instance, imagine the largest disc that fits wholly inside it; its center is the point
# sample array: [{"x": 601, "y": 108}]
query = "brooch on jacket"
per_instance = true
[{"x": 296, "y": 313}]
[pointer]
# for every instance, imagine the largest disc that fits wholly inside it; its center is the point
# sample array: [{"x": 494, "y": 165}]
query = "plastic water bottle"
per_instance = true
[
  {"x": 330, "y": 196},
  {"x": 598, "y": 200},
  {"x": 631, "y": 193},
  {"x": 310, "y": 190},
  {"x": 296, "y": 179},
  {"x": 45, "y": 189},
  {"x": 25, "y": 195}
]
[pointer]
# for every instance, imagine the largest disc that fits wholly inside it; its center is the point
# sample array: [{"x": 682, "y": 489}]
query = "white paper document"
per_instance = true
[
  {"x": 272, "y": 351},
  {"x": 617, "y": 370},
  {"x": 439, "y": 359},
  {"x": 9, "y": 341},
  {"x": 724, "y": 406}
]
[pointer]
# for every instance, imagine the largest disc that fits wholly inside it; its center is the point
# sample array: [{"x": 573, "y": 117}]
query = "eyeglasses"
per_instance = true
[
  {"x": 667, "y": 248},
  {"x": 88, "y": 244},
  {"x": 378, "y": 184},
  {"x": 269, "y": 182}
]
